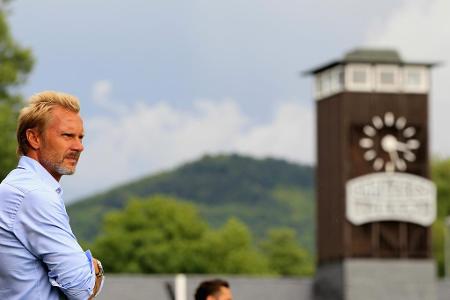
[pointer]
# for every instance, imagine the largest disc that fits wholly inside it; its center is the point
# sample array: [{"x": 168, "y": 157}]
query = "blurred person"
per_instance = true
[
  {"x": 216, "y": 289},
  {"x": 40, "y": 257}
]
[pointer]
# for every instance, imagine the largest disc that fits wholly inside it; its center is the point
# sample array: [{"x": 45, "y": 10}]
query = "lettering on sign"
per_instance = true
[{"x": 390, "y": 197}]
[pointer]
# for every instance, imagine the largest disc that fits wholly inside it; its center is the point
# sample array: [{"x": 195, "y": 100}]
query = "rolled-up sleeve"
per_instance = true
[{"x": 42, "y": 226}]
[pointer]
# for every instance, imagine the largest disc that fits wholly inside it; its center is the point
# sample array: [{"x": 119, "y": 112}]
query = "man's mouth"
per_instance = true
[{"x": 73, "y": 157}]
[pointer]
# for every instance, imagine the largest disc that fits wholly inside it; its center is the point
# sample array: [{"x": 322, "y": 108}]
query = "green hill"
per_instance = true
[{"x": 264, "y": 193}]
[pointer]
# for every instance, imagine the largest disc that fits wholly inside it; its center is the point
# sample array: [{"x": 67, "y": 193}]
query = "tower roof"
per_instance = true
[
  {"x": 373, "y": 56},
  {"x": 368, "y": 55}
]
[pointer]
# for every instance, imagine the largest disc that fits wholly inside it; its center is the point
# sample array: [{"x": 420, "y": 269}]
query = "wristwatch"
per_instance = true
[
  {"x": 100, "y": 272},
  {"x": 98, "y": 268}
]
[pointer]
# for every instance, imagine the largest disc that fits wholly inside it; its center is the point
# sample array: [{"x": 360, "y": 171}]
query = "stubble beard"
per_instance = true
[
  {"x": 63, "y": 170},
  {"x": 58, "y": 165}
]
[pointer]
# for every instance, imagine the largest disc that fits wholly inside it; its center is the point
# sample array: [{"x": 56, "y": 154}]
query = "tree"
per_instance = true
[
  {"x": 15, "y": 64},
  {"x": 440, "y": 173},
  {"x": 162, "y": 234},
  {"x": 285, "y": 255},
  {"x": 155, "y": 235},
  {"x": 230, "y": 250},
  {"x": 438, "y": 236}
]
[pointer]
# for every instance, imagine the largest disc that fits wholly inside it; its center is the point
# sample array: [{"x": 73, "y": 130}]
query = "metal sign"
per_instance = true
[{"x": 390, "y": 196}]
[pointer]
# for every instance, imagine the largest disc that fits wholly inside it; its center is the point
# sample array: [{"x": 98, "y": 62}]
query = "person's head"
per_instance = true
[
  {"x": 216, "y": 289},
  {"x": 50, "y": 130}
]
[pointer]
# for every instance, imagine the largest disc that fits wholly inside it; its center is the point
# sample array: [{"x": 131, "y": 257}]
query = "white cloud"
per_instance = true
[
  {"x": 151, "y": 138},
  {"x": 101, "y": 95},
  {"x": 101, "y": 91},
  {"x": 290, "y": 135},
  {"x": 420, "y": 30}
]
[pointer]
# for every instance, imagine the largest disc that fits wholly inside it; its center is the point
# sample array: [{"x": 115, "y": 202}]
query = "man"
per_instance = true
[
  {"x": 40, "y": 257},
  {"x": 216, "y": 289}
]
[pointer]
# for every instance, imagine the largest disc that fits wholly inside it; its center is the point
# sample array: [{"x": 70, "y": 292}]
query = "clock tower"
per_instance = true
[{"x": 375, "y": 203}]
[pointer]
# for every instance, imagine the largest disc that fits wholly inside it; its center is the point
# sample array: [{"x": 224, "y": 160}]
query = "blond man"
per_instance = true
[{"x": 40, "y": 257}]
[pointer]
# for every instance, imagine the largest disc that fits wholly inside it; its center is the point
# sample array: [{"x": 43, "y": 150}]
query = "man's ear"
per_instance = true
[{"x": 33, "y": 138}]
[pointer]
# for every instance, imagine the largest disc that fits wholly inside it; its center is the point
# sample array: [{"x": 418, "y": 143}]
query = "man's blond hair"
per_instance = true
[{"x": 37, "y": 114}]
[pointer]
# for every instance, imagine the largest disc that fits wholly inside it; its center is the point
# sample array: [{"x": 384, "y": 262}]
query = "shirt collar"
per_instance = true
[{"x": 30, "y": 164}]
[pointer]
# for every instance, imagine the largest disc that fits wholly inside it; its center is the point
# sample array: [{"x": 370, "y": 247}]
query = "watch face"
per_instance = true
[{"x": 389, "y": 143}]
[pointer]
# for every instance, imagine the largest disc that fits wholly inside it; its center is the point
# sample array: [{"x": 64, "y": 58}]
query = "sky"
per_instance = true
[{"x": 164, "y": 82}]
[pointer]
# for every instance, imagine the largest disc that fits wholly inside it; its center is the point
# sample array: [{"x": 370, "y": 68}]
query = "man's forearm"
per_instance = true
[{"x": 98, "y": 277}]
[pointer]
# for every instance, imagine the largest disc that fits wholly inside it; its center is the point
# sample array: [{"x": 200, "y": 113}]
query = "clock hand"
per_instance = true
[
  {"x": 394, "y": 158},
  {"x": 390, "y": 165},
  {"x": 407, "y": 153},
  {"x": 393, "y": 155},
  {"x": 411, "y": 144},
  {"x": 402, "y": 147},
  {"x": 396, "y": 161}
]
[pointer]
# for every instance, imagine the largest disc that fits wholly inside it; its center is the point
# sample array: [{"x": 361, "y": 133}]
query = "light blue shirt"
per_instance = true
[{"x": 39, "y": 255}]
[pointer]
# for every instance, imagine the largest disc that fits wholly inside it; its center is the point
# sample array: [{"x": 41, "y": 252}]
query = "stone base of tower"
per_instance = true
[{"x": 375, "y": 279}]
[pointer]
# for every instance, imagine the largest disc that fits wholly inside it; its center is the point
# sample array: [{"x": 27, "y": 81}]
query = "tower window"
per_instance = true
[
  {"x": 387, "y": 78},
  {"x": 359, "y": 76},
  {"x": 415, "y": 79},
  {"x": 325, "y": 85},
  {"x": 329, "y": 82},
  {"x": 336, "y": 79}
]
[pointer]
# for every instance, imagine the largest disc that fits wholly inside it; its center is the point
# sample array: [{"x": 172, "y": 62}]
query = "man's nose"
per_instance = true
[{"x": 78, "y": 145}]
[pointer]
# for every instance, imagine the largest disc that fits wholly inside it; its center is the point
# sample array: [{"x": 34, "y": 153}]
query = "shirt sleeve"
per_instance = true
[{"x": 42, "y": 226}]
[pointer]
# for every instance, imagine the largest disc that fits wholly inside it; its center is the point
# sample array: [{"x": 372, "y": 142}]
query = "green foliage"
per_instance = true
[
  {"x": 87, "y": 220},
  {"x": 291, "y": 207},
  {"x": 285, "y": 255},
  {"x": 15, "y": 64},
  {"x": 164, "y": 235},
  {"x": 440, "y": 172},
  {"x": 8, "y": 158},
  {"x": 159, "y": 235},
  {"x": 438, "y": 236},
  {"x": 262, "y": 193},
  {"x": 228, "y": 246},
  {"x": 230, "y": 250},
  {"x": 299, "y": 213},
  {"x": 441, "y": 177}
]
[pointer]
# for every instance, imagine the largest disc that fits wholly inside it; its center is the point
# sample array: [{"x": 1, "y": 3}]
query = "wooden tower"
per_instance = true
[{"x": 374, "y": 200}]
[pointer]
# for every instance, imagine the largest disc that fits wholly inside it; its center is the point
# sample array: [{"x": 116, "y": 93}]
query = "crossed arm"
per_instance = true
[{"x": 42, "y": 226}]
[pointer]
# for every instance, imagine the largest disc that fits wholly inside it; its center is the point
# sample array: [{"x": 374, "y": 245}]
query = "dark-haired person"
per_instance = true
[
  {"x": 40, "y": 258},
  {"x": 216, "y": 289}
]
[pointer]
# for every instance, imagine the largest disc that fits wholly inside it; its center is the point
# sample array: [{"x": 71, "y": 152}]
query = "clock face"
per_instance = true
[{"x": 389, "y": 143}]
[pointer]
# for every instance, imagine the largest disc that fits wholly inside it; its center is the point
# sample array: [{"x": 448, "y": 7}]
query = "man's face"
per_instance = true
[
  {"x": 60, "y": 144},
  {"x": 224, "y": 294}
]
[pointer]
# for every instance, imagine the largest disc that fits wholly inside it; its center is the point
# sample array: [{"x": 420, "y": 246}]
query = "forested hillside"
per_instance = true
[{"x": 263, "y": 193}]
